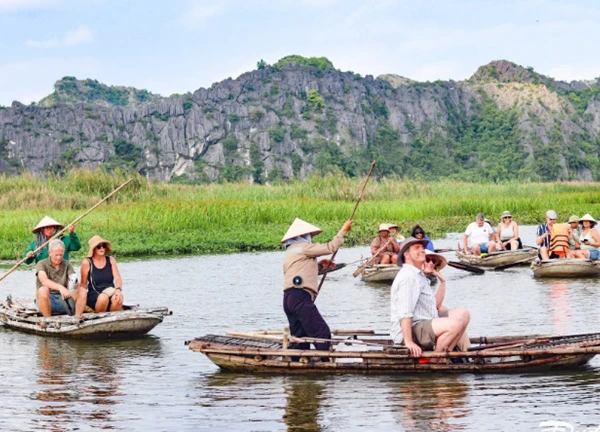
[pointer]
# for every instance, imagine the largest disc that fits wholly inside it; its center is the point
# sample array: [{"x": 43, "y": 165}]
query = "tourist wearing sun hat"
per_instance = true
[
  {"x": 100, "y": 274},
  {"x": 589, "y": 239},
  {"x": 44, "y": 230},
  {"x": 390, "y": 248},
  {"x": 508, "y": 233},
  {"x": 575, "y": 232},
  {"x": 543, "y": 235},
  {"x": 415, "y": 320},
  {"x": 395, "y": 232},
  {"x": 300, "y": 280}
]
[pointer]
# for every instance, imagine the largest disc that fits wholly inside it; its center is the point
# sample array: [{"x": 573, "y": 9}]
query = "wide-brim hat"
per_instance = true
[
  {"x": 95, "y": 241},
  {"x": 299, "y": 228},
  {"x": 588, "y": 217},
  {"x": 408, "y": 243},
  {"x": 573, "y": 219},
  {"x": 46, "y": 222},
  {"x": 393, "y": 225},
  {"x": 384, "y": 227},
  {"x": 439, "y": 260},
  {"x": 506, "y": 213}
]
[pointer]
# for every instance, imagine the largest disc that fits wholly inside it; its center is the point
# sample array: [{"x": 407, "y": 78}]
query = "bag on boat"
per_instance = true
[{"x": 351, "y": 345}]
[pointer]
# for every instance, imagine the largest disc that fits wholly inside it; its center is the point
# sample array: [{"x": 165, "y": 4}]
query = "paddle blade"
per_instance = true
[
  {"x": 466, "y": 267},
  {"x": 337, "y": 267}
]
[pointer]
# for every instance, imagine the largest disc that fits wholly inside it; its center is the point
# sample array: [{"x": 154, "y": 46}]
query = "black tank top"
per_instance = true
[{"x": 99, "y": 279}]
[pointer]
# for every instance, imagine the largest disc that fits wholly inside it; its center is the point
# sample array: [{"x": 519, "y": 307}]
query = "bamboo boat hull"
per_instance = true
[
  {"x": 253, "y": 353},
  {"x": 566, "y": 268},
  {"x": 496, "y": 259},
  {"x": 380, "y": 273},
  {"x": 108, "y": 325},
  {"x": 386, "y": 273}
]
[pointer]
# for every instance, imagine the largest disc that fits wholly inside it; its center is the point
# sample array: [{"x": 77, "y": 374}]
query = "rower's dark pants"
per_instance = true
[{"x": 305, "y": 319}]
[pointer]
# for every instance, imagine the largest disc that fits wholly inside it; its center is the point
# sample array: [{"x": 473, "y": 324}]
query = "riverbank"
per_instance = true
[{"x": 155, "y": 218}]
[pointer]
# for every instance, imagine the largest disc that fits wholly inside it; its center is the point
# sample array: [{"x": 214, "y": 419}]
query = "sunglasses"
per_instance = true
[
  {"x": 101, "y": 246},
  {"x": 419, "y": 233},
  {"x": 506, "y": 217},
  {"x": 429, "y": 260}
]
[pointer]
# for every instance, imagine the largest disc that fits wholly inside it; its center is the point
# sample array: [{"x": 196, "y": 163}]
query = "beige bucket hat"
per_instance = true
[
  {"x": 439, "y": 260},
  {"x": 408, "y": 243},
  {"x": 46, "y": 222},
  {"x": 573, "y": 219},
  {"x": 95, "y": 241},
  {"x": 393, "y": 225},
  {"x": 506, "y": 213},
  {"x": 588, "y": 217},
  {"x": 384, "y": 227},
  {"x": 300, "y": 227}
]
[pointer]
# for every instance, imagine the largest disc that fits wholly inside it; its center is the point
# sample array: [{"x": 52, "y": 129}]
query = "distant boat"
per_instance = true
[
  {"x": 566, "y": 267},
  {"x": 130, "y": 322},
  {"x": 380, "y": 273},
  {"x": 385, "y": 273},
  {"x": 501, "y": 258},
  {"x": 366, "y": 351}
]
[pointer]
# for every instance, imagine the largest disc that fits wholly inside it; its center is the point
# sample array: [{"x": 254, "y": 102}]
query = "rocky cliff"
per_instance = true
[{"x": 300, "y": 115}]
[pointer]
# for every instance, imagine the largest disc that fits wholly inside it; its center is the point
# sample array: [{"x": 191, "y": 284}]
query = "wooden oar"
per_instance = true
[
  {"x": 466, "y": 267},
  {"x": 17, "y": 265},
  {"x": 329, "y": 270},
  {"x": 362, "y": 191}
]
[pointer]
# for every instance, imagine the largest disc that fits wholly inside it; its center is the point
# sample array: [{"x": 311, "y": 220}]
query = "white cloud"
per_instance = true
[
  {"x": 197, "y": 14},
  {"x": 81, "y": 35}
]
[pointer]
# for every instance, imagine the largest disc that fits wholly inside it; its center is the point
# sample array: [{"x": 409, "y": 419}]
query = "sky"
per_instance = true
[{"x": 178, "y": 46}]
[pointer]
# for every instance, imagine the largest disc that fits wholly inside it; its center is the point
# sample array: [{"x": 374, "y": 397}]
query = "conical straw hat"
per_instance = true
[
  {"x": 46, "y": 222},
  {"x": 588, "y": 217},
  {"x": 300, "y": 227}
]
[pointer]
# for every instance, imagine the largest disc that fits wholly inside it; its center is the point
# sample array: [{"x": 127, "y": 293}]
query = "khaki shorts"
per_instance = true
[{"x": 423, "y": 335}]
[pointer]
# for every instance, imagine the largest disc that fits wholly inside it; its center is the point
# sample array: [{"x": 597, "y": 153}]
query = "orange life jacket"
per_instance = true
[{"x": 559, "y": 239}]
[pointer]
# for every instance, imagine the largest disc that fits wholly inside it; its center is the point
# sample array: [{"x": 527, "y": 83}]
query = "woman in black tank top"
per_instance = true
[{"x": 100, "y": 274}]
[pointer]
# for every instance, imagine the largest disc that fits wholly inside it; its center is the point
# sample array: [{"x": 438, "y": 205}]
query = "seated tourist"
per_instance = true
[
  {"x": 574, "y": 243},
  {"x": 481, "y": 236},
  {"x": 418, "y": 233},
  {"x": 390, "y": 248},
  {"x": 589, "y": 239},
  {"x": 52, "y": 295},
  {"x": 100, "y": 274},
  {"x": 508, "y": 233},
  {"x": 415, "y": 320}
]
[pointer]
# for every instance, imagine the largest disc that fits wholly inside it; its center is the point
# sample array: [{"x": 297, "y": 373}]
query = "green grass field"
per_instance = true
[{"x": 147, "y": 219}]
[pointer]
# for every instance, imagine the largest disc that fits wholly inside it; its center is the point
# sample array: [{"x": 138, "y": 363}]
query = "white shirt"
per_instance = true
[
  {"x": 412, "y": 297},
  {"x": 479, "y": 234}
]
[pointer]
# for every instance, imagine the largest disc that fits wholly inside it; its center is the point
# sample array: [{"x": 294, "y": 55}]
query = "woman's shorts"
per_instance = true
[{"x": 594, "y": 254}]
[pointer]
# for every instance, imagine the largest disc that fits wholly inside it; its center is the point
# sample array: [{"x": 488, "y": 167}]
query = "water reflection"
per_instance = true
[
  {"x": 559, "y": 298},
  {"x": 303, "y": 402},
  {"x": 76, "y": 373},
  {"x": 422, "y": 403}
]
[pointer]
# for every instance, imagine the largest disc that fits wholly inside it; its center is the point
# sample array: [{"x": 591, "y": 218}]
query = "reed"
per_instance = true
[{"x": 155, "y": 218}]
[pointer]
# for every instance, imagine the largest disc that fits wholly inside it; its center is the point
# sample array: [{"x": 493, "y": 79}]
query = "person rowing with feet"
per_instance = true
[{"x": 415, "y": 321}]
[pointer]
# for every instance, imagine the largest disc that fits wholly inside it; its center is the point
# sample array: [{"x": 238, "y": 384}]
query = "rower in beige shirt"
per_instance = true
[{"x": 301, "y": 285}]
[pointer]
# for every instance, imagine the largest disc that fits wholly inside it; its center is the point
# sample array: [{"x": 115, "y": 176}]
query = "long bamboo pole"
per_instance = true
[
  {"x": 17, "y": 265},
  {"x": 362, "y": 191}
]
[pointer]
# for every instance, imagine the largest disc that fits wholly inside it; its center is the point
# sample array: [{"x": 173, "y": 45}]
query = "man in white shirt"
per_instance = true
[
  {"x": 414, "y": 316},
  {"x": 482, "y": 237}
]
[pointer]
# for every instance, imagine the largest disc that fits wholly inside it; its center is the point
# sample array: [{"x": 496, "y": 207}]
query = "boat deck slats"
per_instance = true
[{"x": 238, "y": 342}]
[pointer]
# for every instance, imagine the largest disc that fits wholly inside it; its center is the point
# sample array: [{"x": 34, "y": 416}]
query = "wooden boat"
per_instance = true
[
  {"x": 568, "y": 267},
  {"x": 380, "y": 273},
  {"x": 130, "y": 322},
  {"x": 386, "y": 273},
  {"x": 500, "y": 258},
  {"x": 367, "y": 351}
]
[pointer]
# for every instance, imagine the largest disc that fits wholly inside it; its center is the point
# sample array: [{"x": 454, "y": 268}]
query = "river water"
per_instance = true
[{"x": 157, "y": 383}]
